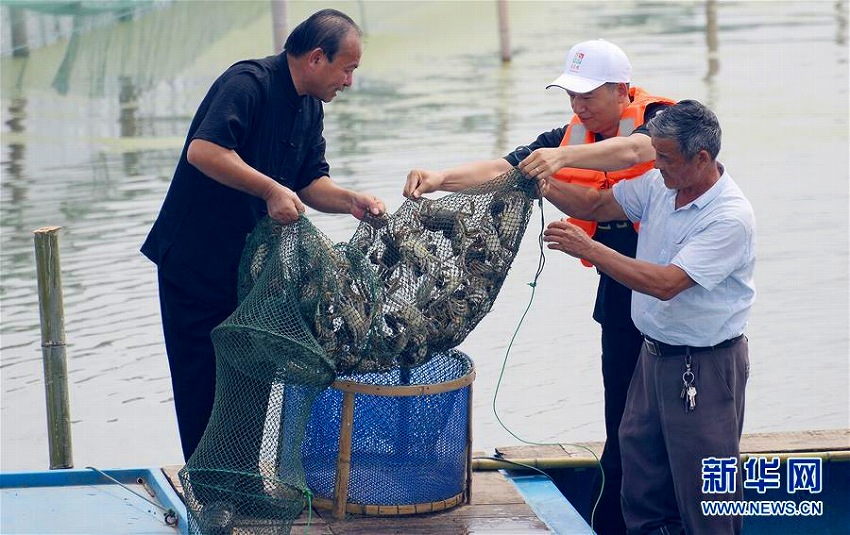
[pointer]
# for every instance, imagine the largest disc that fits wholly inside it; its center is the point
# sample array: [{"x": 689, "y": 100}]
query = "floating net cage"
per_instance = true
[
  {"x": 393, "y": 443},
  {"x": 104, "y": 48},
  {"x": 378, "y": 314}
]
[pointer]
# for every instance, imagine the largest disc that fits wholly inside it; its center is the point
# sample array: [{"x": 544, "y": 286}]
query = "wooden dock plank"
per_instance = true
[
  {"x": 798, "y": 441},
  {"x": 428, "y": 525},
  {"x": 785, "y": 442},
  {"x": 491, "y": 488},
  {"x": 495, "y": 507},
  {"x": 170, "y": 473}
]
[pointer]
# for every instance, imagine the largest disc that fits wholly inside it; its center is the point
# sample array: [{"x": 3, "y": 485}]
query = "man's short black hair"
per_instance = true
[{"x": 323, "y": 29}]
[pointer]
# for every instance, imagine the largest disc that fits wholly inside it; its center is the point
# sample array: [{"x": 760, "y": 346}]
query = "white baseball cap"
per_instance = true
[{"x": 591, "y": 64}]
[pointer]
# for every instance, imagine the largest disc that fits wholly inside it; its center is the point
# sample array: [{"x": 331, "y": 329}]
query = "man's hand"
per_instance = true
[
  {"x": 571, "y": 239},
  {"x": 542, "y": 163},
  {"x": 361, "y": 203},
  {"x": 283, "y": 204},
  {"x": 421, "y": 181}
]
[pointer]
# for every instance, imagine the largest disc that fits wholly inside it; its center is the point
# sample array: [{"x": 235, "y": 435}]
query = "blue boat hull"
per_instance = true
[
  {"x": 574, "y": 485},
  {"x": 126, "y": 501}
]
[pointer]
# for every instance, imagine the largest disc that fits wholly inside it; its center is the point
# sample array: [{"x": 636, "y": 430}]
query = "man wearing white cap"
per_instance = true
[{"x": 606, "y": 141}]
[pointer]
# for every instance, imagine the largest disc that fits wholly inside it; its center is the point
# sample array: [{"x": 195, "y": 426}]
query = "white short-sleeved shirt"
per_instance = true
[{"x": 713, "y": 240}]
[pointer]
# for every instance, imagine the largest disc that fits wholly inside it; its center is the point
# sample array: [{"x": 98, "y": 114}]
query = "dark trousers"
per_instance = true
[
  {"x": 621, "y": 346},
  {"x": 187, "y": 320},
  {"x": 663, "y": 446}
]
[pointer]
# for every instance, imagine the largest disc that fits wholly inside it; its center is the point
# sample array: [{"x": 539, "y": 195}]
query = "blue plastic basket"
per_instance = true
[{"x": 393, "y": 443}]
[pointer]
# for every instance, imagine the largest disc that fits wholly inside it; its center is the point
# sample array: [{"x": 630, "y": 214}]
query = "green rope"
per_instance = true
[
  {"x": 541, "y": 262},
  {"x": 309, "y": 496}
]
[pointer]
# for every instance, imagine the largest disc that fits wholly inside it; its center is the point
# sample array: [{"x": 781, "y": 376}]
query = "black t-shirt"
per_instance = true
[
  {"x": 613, "y": 300},
  {"x": 253, "y": 109}
]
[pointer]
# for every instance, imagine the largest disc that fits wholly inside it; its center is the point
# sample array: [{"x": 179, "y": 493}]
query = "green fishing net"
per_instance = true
[
  {"x": 106, "y": 48},
  {"x": 406, "y": 287}
]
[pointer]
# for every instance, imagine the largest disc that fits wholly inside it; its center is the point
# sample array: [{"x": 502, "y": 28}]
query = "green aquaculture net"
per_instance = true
[
  {"x": 405, "y": 287},
  {"x": 123, "y": 48}
]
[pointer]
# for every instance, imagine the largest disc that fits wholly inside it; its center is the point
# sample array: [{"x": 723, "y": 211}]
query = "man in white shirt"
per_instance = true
[{"x": 692, "y": 280}]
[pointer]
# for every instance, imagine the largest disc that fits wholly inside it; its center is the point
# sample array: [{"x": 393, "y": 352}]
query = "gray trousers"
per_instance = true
[{"x": 662, "y": 446}]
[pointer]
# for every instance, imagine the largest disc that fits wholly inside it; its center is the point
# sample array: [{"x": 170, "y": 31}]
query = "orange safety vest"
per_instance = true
[{"x": 577, "y": 134}]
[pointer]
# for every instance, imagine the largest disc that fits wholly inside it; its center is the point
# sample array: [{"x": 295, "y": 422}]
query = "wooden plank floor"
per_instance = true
[
  {"x": 495, "y": 507},
  {"x": 830, "y": 440}
]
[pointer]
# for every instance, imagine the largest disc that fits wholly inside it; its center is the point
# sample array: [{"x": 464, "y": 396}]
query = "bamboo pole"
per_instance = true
[
  {"x": 53, "y": 346},
  {"x": 278, "y": 24},
  {"x": 711, "y": 38},
  {"x": 18, "y": 23},
  {"x": 343, "y": 465},
  {"x": 545, "y": 463},
  {"x": 504, "y": 34},
  {"x": 468, "y": 493}
]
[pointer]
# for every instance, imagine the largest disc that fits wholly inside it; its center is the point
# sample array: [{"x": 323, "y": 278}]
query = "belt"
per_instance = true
[
  {"x": 613, "y": 225},
  {"x": 660, "y": 349}
]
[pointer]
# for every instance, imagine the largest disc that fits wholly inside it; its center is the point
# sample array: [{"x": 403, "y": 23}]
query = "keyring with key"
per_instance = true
[{"x": 689, "y": 390}]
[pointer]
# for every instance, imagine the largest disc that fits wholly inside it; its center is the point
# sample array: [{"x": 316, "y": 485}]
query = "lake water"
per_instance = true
[{"x": 431, "y": 92}]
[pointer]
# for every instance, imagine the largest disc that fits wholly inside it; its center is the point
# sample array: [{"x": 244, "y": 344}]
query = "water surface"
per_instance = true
[{"x": 95, "y": 155}]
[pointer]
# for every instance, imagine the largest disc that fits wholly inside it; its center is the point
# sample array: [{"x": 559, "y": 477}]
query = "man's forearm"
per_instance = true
[
  {"x": 574, "y": 200},
  {"x": 226, "y": 167},
  {"x": 661, "y": 282},
  {"x": 610, "y": 154},
  {"x": 473, "y": 173},
  {"x": 326, "y": 196}
]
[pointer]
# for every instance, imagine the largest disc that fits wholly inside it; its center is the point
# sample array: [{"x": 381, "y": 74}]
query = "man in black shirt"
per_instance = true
[
  {"x": 255, "y": 147},
  {"x": 606, "y": 141}
]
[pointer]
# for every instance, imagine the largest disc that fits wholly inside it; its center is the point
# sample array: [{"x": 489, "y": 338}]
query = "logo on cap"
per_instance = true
[{"x": 574, "y": 67}]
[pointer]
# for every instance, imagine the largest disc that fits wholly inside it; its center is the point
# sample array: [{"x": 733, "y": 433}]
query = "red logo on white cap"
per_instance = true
[{"x": 574, "y": 67}]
